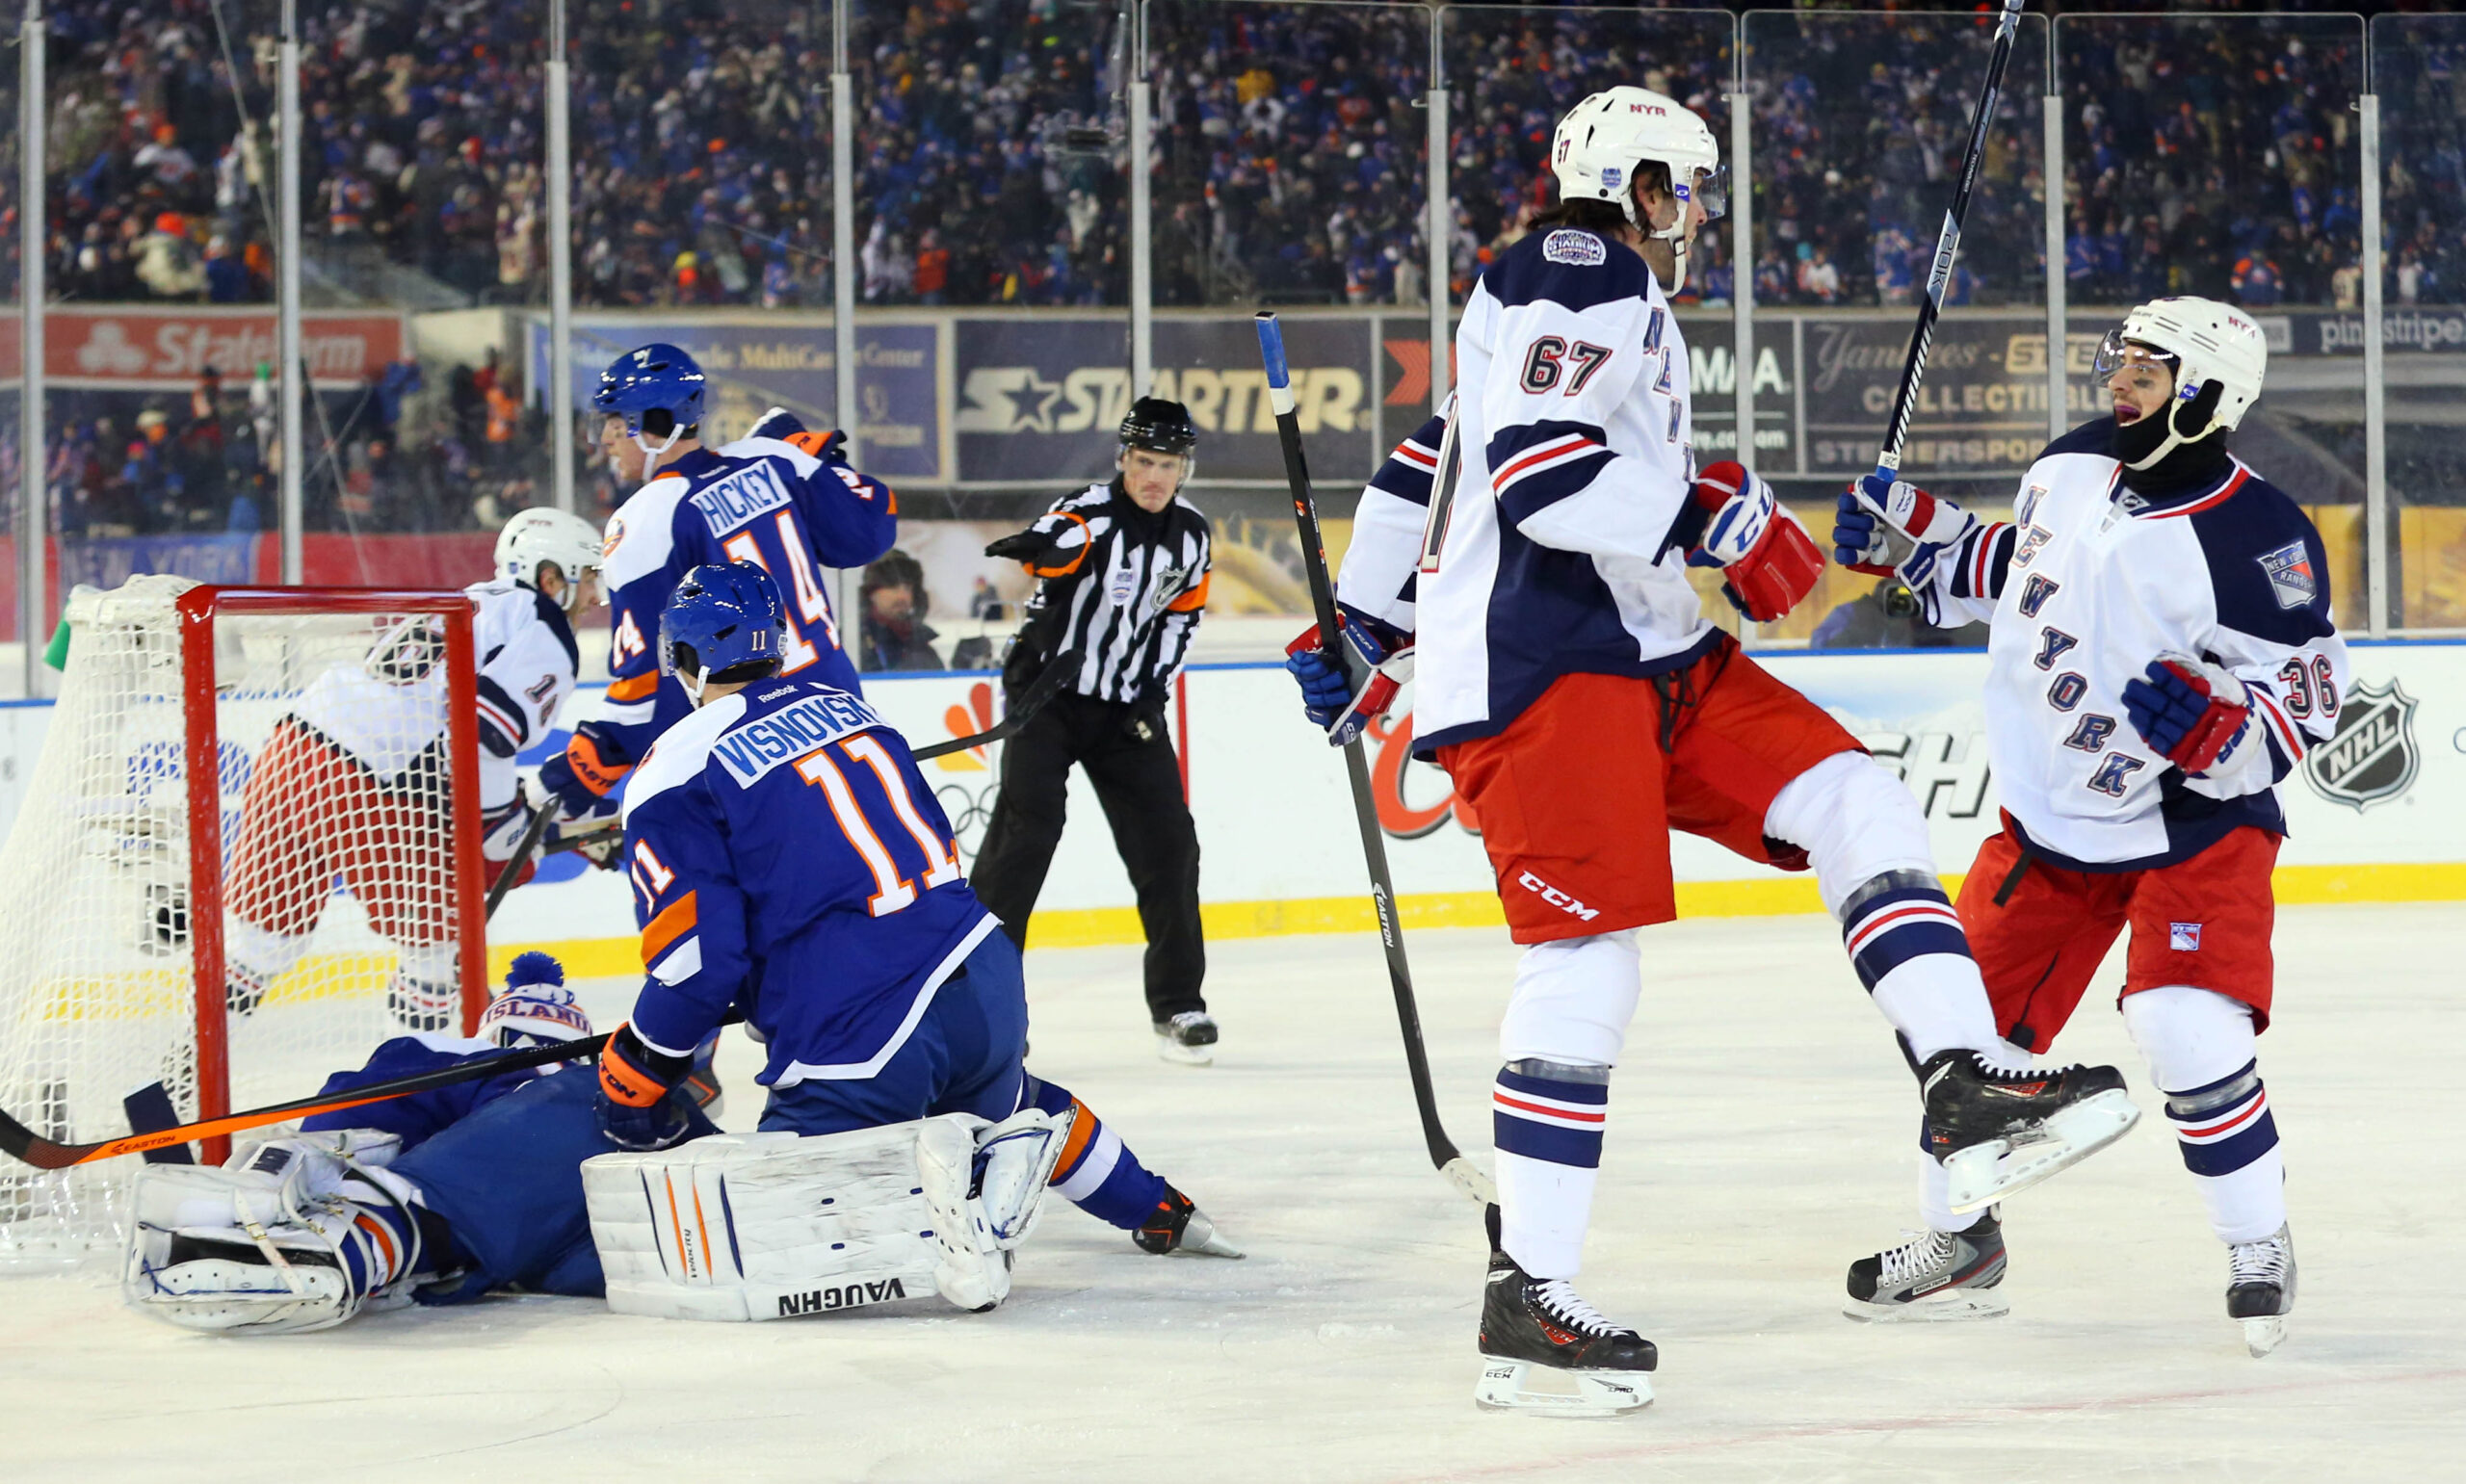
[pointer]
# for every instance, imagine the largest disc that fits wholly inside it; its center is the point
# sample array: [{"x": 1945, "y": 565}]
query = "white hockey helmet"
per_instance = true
[
  {"x": 1603, "y": 139},
  {"x": 535, "y": 538},
  {"x": 2202, "y": 340}
]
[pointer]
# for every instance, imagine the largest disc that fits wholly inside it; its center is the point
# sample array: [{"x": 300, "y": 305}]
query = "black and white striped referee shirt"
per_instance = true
[{"x": 1123, "y": 586}]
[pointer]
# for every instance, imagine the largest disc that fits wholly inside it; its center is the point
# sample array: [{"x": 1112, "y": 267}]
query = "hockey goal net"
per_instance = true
[{"x": 249, "y": 853}]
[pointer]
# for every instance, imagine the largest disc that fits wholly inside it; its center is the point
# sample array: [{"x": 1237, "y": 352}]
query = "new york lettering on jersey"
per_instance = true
[{"x": 789, "y": 860}]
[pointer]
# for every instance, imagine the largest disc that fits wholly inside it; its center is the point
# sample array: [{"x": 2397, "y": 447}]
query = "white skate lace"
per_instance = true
[
  {"x": 1924, "y": 1252},
  {"x": 2265, "y": 1260},
  {"x": 1566, "y": 1306}
]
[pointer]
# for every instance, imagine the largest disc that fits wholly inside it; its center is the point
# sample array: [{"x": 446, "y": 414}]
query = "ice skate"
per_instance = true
[
  {"x": 1180, "y": 1227},
  {"x": 1933, "y": 1276},
  {"x": 1188, "y": 1038},
  {"x": 1594, "y": 1368},
  {"x": 2259, "y": 1289},
  {"x": 1999, "y": 1131}
]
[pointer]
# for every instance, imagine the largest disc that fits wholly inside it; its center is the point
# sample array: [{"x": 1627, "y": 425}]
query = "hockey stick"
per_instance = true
[
  {"x": 43, "y": 1154},
  {"x": 1948, "y": 243},
  {"x": 1046, "y": 686},
  {"x": 1443, "y": 1153}
]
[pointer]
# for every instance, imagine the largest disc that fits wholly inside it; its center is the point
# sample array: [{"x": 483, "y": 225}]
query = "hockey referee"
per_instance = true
[{"x": 1124, "y": 575}]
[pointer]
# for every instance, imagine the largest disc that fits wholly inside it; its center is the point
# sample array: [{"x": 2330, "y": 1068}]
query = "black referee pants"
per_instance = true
[{"x": 1140, "y": 785}]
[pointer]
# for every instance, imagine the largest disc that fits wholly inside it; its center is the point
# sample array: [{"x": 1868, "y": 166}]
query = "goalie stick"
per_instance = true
[
  {"x": 1449, "y": 1161},
  {"x": 1047, "y": 686},
  {"x": 23, "y": 1143},
  {"x": 1948, "y": 243}
]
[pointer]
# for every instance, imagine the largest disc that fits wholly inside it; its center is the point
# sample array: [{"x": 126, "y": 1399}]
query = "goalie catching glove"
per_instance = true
[
  {"x": 1341, "y": 693},
  {"x": 2189, "y": 712},
  {"x": 1769, "y": 561}
]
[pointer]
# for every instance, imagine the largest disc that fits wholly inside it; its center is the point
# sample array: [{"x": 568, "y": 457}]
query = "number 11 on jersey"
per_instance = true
[{"x": 892, "y": 891}]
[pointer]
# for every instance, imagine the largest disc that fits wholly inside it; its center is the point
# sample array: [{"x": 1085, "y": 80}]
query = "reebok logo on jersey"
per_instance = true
[
  {"x": 852, "y": 1296},
  {"x": 2184, "y": 937},
  {"x": 1577, "y": 249},
  {"x": 2289, "y": 569},
  {"x": 729, "y": 502},
  {"x": 1556, "y": 897}
]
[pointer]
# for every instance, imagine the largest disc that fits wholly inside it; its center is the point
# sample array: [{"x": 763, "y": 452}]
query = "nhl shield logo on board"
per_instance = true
[{"x": 2374, "y": 757}]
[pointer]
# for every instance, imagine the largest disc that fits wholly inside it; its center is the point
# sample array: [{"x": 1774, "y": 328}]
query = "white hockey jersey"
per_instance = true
[
  {"x": 2088, "y": 585},
  {"x": 526, "y": 655},
  {"x": 1575, "y": 435}
]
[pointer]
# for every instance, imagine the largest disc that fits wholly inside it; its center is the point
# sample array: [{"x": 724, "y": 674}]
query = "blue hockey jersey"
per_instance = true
[
  {"x": 418, "y": 1115},
  {"x": 789, "y": 861},
  {"x": 770, "y": 500}
]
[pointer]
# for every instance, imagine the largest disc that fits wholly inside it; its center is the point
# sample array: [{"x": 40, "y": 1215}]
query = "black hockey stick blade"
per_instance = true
[
  {"x": 1449, "y": 1161},
  {"x": 32, "y": 1148},
  {"x": 1047, "y": 686},
  {"x": 540, "y": 819},
  {"x": 1948, "y": 243}
]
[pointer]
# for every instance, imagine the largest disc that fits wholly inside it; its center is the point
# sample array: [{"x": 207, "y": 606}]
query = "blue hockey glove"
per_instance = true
[
  {"x": 2189, "y": 712},
  {"x": 1377, "y": 660},
  {"x": 637, "y": 1105},
  {"x": 584, "y": 776}
]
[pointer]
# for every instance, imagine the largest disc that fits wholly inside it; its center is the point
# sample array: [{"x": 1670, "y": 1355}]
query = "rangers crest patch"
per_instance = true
[
  {"x": 1580, "y": 249},
  {"x": 2289, "y": 569}
]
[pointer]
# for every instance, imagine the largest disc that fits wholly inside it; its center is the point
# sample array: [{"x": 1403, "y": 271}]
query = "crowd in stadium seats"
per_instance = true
[{"x": 2217, "y": 158}]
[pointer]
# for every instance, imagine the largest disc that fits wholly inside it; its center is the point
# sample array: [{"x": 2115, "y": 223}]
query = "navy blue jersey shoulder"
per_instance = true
[
  {"x": 1574, "y": 269},
  {"x": 554, "y": 616},
  {"x": 2267, "y": 565},
  {"x": 2094, "y": 436},
  {"x": 1405, "y": 478}
]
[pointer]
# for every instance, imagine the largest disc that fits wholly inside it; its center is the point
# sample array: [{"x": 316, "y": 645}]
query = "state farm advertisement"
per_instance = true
[{"x": 138, "y": 349}]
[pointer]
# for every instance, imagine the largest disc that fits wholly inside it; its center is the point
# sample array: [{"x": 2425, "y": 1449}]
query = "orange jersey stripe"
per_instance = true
[
  {"x": 1191, "y": 601},
  {"x": 673, "y": 923},
  {"x": 634, "y": 687}
]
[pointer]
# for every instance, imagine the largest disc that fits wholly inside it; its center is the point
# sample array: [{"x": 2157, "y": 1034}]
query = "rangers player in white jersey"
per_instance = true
[
  {"x": 1571, "y": 685},
  {"x": 2161, "y": 656},
  {"x": 364, "y": 743}
]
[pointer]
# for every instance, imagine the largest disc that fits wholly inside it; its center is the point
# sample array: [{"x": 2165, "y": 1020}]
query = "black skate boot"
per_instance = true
[
  {"x": 1528, "y": 1322},
  {"x": 1934, "y": 1275},
  {"x": 1999, "y": 1131},
  {"x": 1189, "y": 1038},
  {"x": 2260, "y": 1289},
  {"x": 1178, "y": 1226}
]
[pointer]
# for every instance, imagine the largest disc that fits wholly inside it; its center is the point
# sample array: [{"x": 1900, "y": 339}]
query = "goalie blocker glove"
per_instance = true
[
  {"x": 1375, "y": 658},
  {"x": 2189, "y": 711},
  {"x": 1769, "y": 562}
]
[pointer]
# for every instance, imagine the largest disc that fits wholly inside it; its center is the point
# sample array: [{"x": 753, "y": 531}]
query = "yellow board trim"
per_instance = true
[{"x": 1787, "y": 895}]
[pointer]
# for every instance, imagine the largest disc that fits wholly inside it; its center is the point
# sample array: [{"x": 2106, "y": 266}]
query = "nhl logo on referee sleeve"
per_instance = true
[
  {"x": 2289, "y": 569},
  {"x": 2373, "y": 756},
  {"x": 1580, "y": 249}
]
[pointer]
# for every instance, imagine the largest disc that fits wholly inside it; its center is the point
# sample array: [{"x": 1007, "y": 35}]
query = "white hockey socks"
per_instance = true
[
  {"x": 2200, "y": 1045},
  {"x": 1546, "y": 1120},
  {"x": 1866, "y": 838}
]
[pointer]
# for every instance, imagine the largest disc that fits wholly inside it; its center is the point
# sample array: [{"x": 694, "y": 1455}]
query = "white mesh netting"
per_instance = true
[{"x": 341, "y": 922}]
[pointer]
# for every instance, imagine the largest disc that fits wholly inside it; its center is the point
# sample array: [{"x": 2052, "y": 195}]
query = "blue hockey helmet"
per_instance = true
[
  {"x": 657, "y": 384},
  {"x": 721, "y": 623}
]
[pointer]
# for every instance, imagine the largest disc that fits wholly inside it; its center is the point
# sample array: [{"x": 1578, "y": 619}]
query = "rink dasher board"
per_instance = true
[{"x": 2369, "y": 814}]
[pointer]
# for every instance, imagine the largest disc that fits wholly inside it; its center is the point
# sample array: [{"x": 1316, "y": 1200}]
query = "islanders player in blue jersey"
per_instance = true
[
  {"x": 792, "y": 871},
  {"x": 782, "y": 498}
]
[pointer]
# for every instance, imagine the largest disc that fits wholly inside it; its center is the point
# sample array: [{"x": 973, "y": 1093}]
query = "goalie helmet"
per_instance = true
[
  {"x": 2200, "y": 340},
  {"x": 1603, "y": 139},
  {"x": 535, "y": 538}
]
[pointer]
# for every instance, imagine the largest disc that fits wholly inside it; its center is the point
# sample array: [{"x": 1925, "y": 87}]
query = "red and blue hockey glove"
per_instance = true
[
  {"x": 1341, "y": 695},
  {"x": 501, "y": 832},
  {"x": 1870, "y": 512},
  {"x": 2189, "y": 712},
  {"x": 636, "y": 1107},
  {"x": 582, "y": 776},
  {"x": 1768, "y": 559}
]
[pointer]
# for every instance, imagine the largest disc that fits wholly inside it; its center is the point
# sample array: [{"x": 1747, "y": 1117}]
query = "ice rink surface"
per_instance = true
[{"x": 1761, "y": 1135}]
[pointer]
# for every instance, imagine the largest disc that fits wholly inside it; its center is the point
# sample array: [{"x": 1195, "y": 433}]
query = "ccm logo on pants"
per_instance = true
[{"x": 1556, "y": 897}]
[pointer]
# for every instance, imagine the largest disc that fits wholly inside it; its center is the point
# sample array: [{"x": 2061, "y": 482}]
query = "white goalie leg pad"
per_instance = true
[
  {"x": 1014, "y": 1161},
  {"x": 771, "y": 1226},
  {"x": 297, "y": 1234},
  {"x": 987, "y": 1185}
]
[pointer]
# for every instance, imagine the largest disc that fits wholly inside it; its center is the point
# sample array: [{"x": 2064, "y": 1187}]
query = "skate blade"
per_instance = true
[
  {"x": 2263, "y": 1335},
  {"x": 1201, "y": 1240},
  {"x": 1983, "y": 1174},
  {"x": 1962, "y": 1304},
  {"x": 1596, "y": 1393},
  {"x": 1170, "y": 1050}
]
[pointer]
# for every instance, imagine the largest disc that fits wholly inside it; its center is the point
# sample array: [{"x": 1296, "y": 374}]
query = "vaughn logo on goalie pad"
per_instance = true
[{"x": 855, "y": 1296}]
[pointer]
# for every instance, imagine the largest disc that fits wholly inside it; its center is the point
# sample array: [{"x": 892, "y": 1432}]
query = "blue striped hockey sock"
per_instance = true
[
  {"x": 1098, "y": 1172},
  {"x": 2229, "y": 1142},
  {"x": 1906, "y": 944},
  {"x": 1546, "y": 1120}
]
